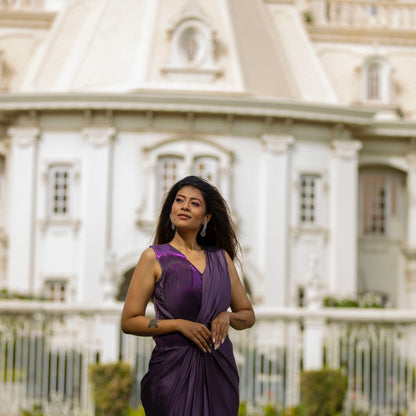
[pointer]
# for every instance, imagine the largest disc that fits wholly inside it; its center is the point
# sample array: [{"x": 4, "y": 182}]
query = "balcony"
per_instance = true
[{"x": 388, "y": 21}]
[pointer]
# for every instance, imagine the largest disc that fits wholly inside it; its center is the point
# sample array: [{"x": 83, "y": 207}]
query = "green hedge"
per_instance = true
[
  {"x": 112, "y": 384},
  {"x": 323, "y": 392}
]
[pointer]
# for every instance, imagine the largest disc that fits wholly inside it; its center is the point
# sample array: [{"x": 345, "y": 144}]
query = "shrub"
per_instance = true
[
  {"x": 135, "y": 412},
  {"x": 112, "y": 388},
  {"x": 323, "y": 391}
]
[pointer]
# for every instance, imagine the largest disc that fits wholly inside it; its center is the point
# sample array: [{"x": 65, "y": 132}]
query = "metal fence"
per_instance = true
[{"x": 46, "y": 349}]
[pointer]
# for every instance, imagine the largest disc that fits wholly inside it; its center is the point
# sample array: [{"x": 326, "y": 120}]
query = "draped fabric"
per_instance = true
[{"x": 182, "y": 380}]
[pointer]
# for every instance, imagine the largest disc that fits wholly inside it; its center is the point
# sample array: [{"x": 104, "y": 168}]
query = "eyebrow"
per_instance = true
[{"x": 193, "y": 197}]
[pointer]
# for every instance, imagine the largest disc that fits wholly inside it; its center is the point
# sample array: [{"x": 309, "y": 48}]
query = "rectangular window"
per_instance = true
[
  {"x": 169, "y": 172},
  {"x": 206, "y": 167},
  {"x": 374, "y": 215},
  {"x": 309, "y": 190},
  {"x": 59, "y": 191},
  {"x": 56, "y": 290}
]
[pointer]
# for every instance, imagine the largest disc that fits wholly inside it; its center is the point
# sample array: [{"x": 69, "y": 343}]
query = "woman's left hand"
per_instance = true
[{"x": 219, "y": 328}]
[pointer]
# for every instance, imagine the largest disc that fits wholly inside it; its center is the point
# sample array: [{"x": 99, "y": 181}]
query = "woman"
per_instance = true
[{"x": 190, "y": 276}]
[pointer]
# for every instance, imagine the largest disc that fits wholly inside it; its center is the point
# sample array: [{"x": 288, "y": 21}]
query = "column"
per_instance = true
[
  {"x": 22, "y": 195},
  {"x": 274, "y": 217},
  {"x": 96, "y": 211},
  {"x": 410, "y": 247},
  {"x": 343, "y": 217},
  {"x": 411, "y": 196}
]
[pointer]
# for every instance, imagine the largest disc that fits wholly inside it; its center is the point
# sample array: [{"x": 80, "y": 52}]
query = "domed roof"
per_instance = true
[{"x": 244, "y": 47}]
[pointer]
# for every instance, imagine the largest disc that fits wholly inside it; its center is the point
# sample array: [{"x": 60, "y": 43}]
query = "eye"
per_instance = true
[
  {"x": 195, "y": 204},
  {"x": 179, "y": 199}
]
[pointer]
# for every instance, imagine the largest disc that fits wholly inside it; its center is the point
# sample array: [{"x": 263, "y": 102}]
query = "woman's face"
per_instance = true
[{"x": 188, "y": 209}]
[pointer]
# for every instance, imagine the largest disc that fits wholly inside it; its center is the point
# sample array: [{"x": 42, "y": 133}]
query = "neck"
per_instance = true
[{"x": 185, "y": 241}]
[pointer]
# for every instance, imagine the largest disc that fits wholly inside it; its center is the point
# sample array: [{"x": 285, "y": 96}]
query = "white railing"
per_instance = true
[
  {"x": 44, "y": 5},
  {"x": 45, "y": 351},
  {"x": 365, "y": 14}
]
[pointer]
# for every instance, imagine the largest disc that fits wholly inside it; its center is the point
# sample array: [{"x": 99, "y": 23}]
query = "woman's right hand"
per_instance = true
[{"x": 197, "y": 333}]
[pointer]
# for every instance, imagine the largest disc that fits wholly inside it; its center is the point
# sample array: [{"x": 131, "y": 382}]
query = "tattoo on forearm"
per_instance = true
[
  {"x": 153, "y": 323},
  {"x": 239, "y": 320}
]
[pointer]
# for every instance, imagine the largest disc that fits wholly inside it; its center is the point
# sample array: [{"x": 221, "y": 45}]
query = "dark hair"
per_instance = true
[{"x": 220, "y": 230}]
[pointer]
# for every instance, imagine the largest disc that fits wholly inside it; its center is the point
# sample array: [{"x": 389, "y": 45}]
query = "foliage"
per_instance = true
[
  {"x": 135, "y": 412},
  {"x": 112, "y": 388},
  {"x": 269, "y": 409},
  {"x": 6, "y": 294},
  {"x": 307, "y": 17},
  {"x": 323, "y": 391},
  {"x": 333, "y": 302},
  {"x": 367, "y": 300},
  {"x": 294, "y": 411},
  {"x": 242, "y": 410},
  {"x": 35, "y": 411}
]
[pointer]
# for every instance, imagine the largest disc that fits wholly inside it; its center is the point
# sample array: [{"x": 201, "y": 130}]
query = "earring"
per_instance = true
[
  {"x": 204, "y": 229},
  {"x": 173, "y": 225}
]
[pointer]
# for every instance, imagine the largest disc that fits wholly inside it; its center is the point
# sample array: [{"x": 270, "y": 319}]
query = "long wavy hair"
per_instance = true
[{"x": 220, "y": 229}]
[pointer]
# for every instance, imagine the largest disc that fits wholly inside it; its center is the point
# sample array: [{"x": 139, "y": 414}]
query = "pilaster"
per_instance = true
[
  {"x": 97, "y": 201},
  {"x": 274, "y": 217},
  {"x": 343, "y": 217},
  {"x": 411, "y": 193},
  {"x": 22, "y": 206},
  {"x": 409, "y": 250}
]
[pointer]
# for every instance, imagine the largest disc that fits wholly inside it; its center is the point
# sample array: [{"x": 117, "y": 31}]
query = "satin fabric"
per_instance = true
[{"x": 182, "y": 380}]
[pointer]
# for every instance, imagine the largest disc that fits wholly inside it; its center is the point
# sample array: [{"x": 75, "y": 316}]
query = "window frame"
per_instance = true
[
  {"x": 383, "y": 81},
  {"x": 63, "y": 283},
  {"x": 54, "y": 194},
  {"x": 392, "y": 200}
]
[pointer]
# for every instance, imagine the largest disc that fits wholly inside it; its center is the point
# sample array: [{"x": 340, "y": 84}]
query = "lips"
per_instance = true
[{"x": 184, "y": 217}]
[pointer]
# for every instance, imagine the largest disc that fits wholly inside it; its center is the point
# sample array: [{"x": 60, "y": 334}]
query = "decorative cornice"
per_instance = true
[
  {"x": 389, "y": 130},
  {"x": 189, "y": 103},
  {"x": 28, "y": 19}
]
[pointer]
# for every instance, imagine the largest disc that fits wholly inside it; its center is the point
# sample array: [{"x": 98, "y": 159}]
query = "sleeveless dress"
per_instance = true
[{"x": 182, "y": 380}]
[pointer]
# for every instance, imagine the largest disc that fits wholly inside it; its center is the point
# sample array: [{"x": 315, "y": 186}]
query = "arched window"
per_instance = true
[
  {"x": 376, "y": 81},
  {"x": 373, "y": 81},
  {"x": 171, "y": 160}
]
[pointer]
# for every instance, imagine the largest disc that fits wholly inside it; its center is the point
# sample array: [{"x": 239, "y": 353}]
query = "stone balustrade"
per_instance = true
[{"x": 387, "y": 14}]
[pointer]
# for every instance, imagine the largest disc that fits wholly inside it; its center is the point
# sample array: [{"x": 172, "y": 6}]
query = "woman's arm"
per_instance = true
[
  {"x": 242, "y": 313},
  {"x": 133, "y": 319}
]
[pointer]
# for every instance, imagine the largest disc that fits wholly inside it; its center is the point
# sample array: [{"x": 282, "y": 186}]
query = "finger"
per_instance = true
[
  {"x": 217, "y": 337},
  {"x": 222, "y": 333},
  {"x": 204, "y": 343},
  {"x": 214, "y": 332}
]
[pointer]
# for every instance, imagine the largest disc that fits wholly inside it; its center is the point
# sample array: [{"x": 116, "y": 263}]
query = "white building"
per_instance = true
[{"x": 302, "y": 113}]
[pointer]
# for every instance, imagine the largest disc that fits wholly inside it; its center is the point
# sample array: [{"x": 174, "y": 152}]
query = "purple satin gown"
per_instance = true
[{"x": 182, "y": 380}]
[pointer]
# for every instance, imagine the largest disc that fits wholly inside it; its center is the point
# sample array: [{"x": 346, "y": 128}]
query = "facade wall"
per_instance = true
[{"x": 291, "y": 166}]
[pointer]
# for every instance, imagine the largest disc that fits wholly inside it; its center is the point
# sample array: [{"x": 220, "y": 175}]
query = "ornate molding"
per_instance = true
[
  {"x": 23, "y": 136},
  {"x": 346, "y": 149},
  {"x": 411, "y": 161},
  {"x": 277, "y": 144},
  {"x": 409, "y": 253},
  {"x": 99, "y": 136}
]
